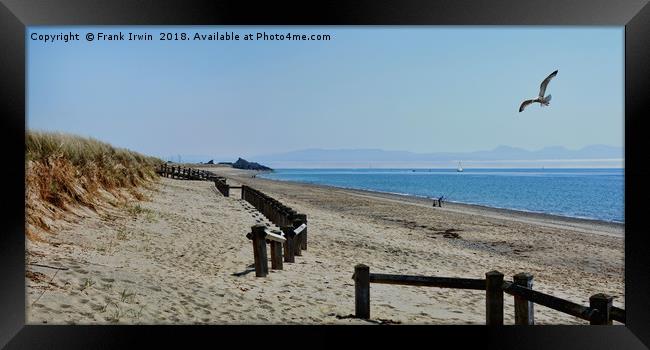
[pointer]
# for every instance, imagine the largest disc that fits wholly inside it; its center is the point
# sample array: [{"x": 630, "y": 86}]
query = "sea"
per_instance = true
[{"x": 596, "y": 194}]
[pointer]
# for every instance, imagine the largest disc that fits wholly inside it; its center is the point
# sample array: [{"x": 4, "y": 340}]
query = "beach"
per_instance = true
[{"x": 181, "y": 257}]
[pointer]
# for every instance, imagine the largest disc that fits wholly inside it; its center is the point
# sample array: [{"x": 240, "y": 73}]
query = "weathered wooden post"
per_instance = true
[
  {"x": 361, "y": 279},
  {"x": 282, "y": 219},
  {"x": 291, "y": 215},
  {"x": 259, "y": 250},
  {"x": 494, "y": 298},
  {"x": 243, "y": 192},
  {"x": 289, "y": 244},
  {"x": 276, "y": 255},
  {"x": 603, "y": 303},
  {"x": 524, "y": 311},
  {"x": 303, "y": 240},
  {"x": 298, "y": 220},
  {"x": 276, "y": 212},
  {"x": 265, "y": 207}
]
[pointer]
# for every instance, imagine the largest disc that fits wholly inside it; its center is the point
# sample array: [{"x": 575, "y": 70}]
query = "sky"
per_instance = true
[{"x": 414, "y": 88}]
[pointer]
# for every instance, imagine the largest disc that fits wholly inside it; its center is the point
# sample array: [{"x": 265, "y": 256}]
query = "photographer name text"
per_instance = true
[{"x": 175, "y": 36}]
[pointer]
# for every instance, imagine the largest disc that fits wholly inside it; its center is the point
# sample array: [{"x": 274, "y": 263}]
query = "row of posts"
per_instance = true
[
  {"x": 278, "y": 213},
  {"x": 280, "y": 251},
  {"x": 494, "y": 293},
  {"x": 179, "y": 172},
  {"x": 524, "y": 309}
]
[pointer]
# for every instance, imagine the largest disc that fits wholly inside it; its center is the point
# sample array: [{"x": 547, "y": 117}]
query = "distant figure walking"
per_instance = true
[
  {"x": 543, "y": 101},
  {"x": 438, "y": 200}
]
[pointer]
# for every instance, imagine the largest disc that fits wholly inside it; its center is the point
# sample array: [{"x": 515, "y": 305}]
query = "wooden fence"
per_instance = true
[
  {"x": 222, "y": 186},
  {"x": 289, "y": 237},
  {"x": 179, "y": 172},
  {"x": 599, "y": 312},
  {"x": 278, "y": 213}
]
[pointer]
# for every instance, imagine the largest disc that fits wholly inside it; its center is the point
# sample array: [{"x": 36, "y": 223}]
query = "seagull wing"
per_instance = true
[
  {"x": 542, "y": 87},
  {"x": 526, "y": 103}
]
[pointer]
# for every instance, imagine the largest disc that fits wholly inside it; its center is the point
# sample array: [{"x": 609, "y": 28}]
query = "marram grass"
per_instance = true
[{"x": 65, "y": 171}]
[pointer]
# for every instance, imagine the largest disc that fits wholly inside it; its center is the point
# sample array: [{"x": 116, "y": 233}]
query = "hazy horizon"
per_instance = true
[{"x": 592, "y": 156}]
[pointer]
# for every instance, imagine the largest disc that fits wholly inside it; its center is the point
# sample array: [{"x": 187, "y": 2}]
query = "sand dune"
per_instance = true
[{"x": 182, "y": 258}]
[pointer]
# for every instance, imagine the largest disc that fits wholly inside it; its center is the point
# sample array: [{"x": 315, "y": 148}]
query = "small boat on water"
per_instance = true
[{"x": 460, "y": 168}]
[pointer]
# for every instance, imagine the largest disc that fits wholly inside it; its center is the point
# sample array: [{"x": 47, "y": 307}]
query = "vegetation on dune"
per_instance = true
[{"x": 64, "y": 171}]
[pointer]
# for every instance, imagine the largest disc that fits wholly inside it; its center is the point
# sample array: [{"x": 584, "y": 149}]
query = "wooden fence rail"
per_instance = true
[{"x": 599, "y": 312}]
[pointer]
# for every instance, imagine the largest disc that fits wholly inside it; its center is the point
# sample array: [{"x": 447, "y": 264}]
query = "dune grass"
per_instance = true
[{"x": 64, "y": 170}]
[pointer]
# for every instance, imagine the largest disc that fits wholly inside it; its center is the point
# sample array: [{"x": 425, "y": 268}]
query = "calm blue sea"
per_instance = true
[{"x": 582, "y": 193}]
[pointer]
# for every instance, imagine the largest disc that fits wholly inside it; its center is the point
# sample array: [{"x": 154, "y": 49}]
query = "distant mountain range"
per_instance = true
[{"x": 501, "y": 154}]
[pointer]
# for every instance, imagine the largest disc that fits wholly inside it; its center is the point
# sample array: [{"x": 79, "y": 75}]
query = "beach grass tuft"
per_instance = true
[{"x": 65, "y": 171}]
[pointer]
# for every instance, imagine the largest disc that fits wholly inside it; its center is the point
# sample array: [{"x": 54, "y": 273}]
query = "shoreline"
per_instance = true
[{"x": 583, "y": 225}]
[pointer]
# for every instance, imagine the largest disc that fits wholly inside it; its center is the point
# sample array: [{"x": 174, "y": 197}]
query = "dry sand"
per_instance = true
[{"x": 182, "y": 258}]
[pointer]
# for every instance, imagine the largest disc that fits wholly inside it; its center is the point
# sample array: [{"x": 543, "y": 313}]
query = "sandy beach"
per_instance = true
[{"x": 181, "y": 257}]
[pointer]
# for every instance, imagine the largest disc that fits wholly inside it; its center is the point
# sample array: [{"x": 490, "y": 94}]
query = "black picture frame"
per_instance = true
[{"x": 16, "y": 15}]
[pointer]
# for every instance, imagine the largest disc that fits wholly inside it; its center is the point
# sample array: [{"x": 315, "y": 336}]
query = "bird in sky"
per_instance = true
[{"x": 543, "y": 101}]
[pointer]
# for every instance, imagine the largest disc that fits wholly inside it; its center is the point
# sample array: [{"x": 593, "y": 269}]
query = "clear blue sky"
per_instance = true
[{"x": 419, "y": 89}]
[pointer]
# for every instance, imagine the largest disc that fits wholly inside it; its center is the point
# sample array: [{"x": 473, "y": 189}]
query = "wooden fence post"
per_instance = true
[
  {"x": 275, "y": 212},
  {"x": 524, "y": 311},
  {"x": 361, "y": 279},
  {"x": 603, "y": 303},
  {"x": 282, "y": 220},
  {"x": 303, "y": 239},
  {"x": 494, "y": 298},
  {"x": 291, "y": 215},
  {"x": 297, "y": 222},
  {"x": 276, "y": 255},
  {"x": 289, "y": 244},
  {"x": 259, "y": 250}
]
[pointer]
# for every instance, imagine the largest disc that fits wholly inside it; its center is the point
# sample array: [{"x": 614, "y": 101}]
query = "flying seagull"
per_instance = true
[{"x": 543, "y": 101}]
